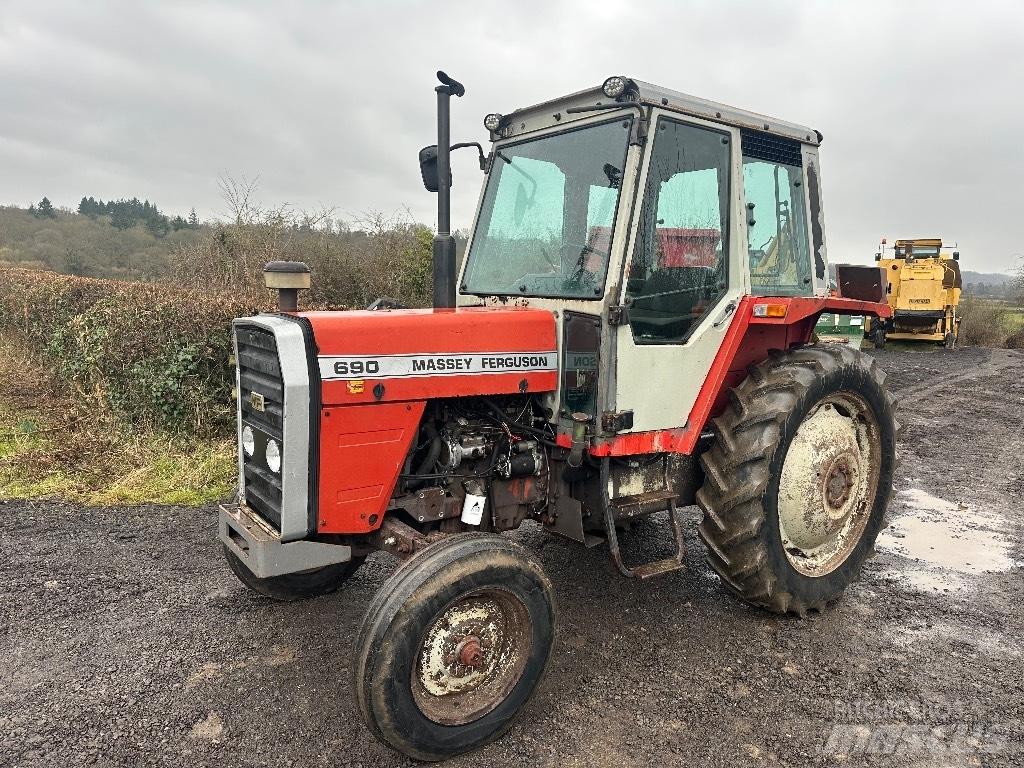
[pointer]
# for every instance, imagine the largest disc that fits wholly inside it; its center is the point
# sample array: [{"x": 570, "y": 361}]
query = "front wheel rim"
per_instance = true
[
  {"x": 472, "y": 656},
  {"x": 828, "y": 483}
]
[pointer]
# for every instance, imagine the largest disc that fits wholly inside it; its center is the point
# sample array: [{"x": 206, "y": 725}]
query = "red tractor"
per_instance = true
[{"x": 570, "y": 373}]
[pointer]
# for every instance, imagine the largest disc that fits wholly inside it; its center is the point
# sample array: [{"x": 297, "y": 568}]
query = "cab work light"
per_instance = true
[{"x": 614, "y": 86}]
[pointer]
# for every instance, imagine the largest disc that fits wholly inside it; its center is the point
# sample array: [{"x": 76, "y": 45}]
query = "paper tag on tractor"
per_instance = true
[{"x": 473, "y": 509}]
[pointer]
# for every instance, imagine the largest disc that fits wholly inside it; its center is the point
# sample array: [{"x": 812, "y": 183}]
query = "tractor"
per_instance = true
[
  {"x": 923, "y": 285},
  {"x": 627, "y": 334}
]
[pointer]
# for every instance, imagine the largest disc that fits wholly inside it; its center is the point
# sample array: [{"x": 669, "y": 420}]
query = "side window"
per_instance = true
[
  {"x": 679, "y": 267},
  {"x": 780, "y": 262}
]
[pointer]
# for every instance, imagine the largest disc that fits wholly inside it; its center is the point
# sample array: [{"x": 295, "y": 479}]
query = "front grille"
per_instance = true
[{"x": 261, "y": 384}]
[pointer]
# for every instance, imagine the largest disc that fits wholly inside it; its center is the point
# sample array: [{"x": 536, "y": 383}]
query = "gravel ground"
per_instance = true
[{"x": 125, "y": 640}]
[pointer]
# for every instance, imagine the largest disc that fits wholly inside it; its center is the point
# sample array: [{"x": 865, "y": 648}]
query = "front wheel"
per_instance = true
[
  {"x": 294, "y": 586},
  {"x": 799, "y": 477},
  {"x": 453, "y": 646}
]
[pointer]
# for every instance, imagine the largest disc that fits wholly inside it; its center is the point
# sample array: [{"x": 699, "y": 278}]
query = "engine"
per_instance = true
[{"x": 478, "y": 463}]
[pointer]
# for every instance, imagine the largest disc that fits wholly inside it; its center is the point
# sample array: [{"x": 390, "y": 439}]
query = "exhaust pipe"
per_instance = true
[
  {"x": 444, "y": 243},
  {"x": 288, "y": 278}
]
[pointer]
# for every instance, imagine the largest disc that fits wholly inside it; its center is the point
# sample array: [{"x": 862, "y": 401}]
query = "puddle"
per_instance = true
[{"x": 952, "y": 544}]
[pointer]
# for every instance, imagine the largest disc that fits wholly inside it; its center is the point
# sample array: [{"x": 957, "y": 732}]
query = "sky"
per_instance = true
[{"x": 328, "y": 103}]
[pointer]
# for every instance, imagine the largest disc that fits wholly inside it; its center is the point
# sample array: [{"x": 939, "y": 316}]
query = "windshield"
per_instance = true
[{"x": 545, "y": 226}]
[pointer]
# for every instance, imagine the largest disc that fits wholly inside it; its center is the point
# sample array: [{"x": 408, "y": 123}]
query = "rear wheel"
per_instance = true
[
  {"x": 453, "y": 646},
  {"x": 799, "y": 477},
  {"x": 294, "y": 586}
]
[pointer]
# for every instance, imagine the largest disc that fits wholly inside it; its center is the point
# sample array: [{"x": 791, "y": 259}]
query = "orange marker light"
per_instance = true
[{"x": 770, "y": 310}]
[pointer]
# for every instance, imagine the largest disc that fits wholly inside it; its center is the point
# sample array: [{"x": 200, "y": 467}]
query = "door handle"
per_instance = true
[{"x": 729, "y": 309}]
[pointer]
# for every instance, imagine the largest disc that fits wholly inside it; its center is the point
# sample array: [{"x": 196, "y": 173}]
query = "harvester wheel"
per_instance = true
[
  {"x": 949, "y": 341},
  {"x": 294, "y": 586},
  {"x": 453, "y": 646},
  {"x": 799, "y": 476}
]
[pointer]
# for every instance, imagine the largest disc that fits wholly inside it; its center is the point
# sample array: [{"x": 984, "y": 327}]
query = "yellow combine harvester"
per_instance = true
[{"x": 923, "y": 290}]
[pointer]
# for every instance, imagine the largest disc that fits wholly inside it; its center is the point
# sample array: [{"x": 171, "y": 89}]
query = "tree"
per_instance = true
[
  {"x": 193, "y": 219},
  {"x": 45, "y": 209}
]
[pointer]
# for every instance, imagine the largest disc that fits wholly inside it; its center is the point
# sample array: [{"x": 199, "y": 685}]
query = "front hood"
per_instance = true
[{"x": 417, "y": 354}]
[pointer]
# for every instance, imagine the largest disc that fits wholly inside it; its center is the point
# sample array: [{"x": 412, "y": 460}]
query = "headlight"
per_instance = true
[
  {"x": 273, "y": 456},
  {"x": 492, "y": 122},
  {"x": 248, "y": 441},
  {"x": 614, "y": 86}
]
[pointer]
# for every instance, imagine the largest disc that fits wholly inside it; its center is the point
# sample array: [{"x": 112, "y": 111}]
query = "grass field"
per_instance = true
[{"x": 49, "y": 447}]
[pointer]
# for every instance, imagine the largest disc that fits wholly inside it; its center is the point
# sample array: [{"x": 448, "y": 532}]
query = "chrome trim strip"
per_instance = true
[
  {"x": 291, "y": 352},
  {"x": 240, "y": 493}
]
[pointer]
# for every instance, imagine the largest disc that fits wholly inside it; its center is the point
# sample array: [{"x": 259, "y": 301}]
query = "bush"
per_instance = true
[
  {"x": 152, "y": 354},
  {"x": 384, "y": 256},
  {"x": 983, "y": 322}
]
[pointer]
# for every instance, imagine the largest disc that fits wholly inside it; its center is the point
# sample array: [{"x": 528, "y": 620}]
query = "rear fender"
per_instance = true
[{"x": 751, "y": 336}]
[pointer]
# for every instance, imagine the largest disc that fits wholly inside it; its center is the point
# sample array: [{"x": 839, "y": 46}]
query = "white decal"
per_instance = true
[{"x": 405, "y": 366}]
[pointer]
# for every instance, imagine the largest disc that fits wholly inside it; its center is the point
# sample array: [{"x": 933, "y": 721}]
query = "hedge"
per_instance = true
[{"x": 150, "y": 353}]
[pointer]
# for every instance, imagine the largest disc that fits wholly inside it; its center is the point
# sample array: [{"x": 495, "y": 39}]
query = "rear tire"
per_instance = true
[
  {"x": 796, "y": 549},
  {"x": 453, "y": 646},
  {"x": 294, "y": 586}
]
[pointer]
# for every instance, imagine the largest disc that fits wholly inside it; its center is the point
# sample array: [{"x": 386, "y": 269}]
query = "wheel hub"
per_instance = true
[
  {"x": 469, "y": 653},
  {"x": 840, "y": 479},
  {"x": 828, "y": 480},
  {"x": 471, "y": 657}
]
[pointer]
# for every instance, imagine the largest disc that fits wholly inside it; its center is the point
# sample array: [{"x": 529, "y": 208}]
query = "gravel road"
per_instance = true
[{"x": 125, "y": 640}]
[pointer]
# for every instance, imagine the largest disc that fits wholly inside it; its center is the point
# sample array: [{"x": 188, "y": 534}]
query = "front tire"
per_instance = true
[
  {"x": 453, "y": 646},
  {"x": 294, "y": 586},
  {"x": 799, "y": 477}
]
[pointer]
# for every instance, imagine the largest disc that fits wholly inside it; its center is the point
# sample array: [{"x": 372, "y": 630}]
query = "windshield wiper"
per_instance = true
[
  {"x": 597, "y": 107},
  {"x": 529, "y": 178}
]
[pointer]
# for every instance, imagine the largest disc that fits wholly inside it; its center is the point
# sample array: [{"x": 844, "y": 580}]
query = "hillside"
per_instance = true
[{"x": 90, "y": 245}]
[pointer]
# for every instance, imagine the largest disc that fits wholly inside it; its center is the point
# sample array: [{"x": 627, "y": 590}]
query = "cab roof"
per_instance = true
[{"x": 557, "y": 111}]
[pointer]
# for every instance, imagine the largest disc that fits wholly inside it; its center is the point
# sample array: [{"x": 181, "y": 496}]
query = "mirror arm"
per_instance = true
[{"x": 479, "y": 149}]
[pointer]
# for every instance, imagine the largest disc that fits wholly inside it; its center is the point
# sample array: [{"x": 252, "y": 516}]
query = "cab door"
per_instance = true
[{"x": 685, "y": 269}]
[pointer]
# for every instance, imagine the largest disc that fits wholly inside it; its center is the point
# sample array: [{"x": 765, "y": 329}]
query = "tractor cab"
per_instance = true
[{"x": 646, "y": 216}]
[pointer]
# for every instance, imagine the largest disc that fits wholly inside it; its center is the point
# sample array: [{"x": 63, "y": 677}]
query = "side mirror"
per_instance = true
[
  {"x": 956, "y": 255},
  {"x": 878, "y": 257},
  {"x": 428, "y": 167}
]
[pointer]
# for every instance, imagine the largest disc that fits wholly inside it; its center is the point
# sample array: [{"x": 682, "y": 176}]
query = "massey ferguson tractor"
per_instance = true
[{"x": 628, "y": 334}]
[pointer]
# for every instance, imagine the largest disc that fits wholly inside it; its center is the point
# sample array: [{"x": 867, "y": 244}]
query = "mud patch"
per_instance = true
[{"x": 211, "y": 728}]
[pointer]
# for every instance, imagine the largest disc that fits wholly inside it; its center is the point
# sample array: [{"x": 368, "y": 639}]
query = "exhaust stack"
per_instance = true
[
  {"x": 444, "y": 243},
  {"x": 288, "y": 277}
]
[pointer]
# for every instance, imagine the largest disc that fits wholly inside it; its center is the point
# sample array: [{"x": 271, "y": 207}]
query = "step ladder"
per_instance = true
[{"x": 654, "y": 567}]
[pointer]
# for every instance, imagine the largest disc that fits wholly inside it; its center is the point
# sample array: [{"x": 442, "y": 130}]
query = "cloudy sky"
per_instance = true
[{"x": 329, "y": 102}]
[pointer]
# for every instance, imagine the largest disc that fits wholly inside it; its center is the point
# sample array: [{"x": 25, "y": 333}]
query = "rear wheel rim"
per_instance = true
[
  {"x": 471, "y": 656},
  {"x": 828, "y": 483}
]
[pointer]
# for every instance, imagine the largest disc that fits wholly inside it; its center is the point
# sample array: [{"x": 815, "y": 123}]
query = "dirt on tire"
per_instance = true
[{"x": 127, "y": 641}]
